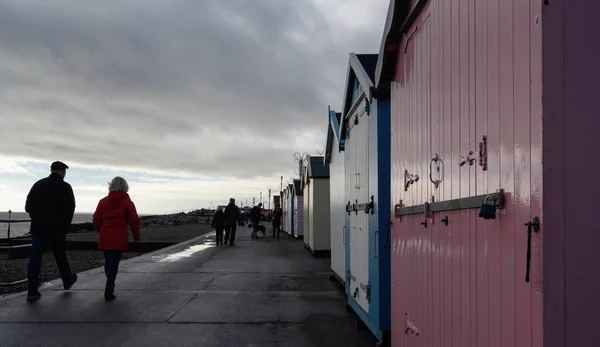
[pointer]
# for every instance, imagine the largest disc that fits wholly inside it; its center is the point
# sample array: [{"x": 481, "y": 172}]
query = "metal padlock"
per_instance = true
[{"x": 488, "y": 211}]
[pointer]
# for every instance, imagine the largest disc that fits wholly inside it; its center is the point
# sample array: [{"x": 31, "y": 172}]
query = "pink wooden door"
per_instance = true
[{"x": 460, "y": 84}]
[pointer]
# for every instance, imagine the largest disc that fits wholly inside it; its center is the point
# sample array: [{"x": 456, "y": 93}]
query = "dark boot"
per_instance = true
[
  {"x": 33, "y": 296},
  {"x": 69, "y": 284},
  {"x": 109, "y": 293}
]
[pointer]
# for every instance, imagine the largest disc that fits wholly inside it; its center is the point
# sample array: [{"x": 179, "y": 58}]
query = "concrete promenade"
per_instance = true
[{"x": 256, "y": 293}]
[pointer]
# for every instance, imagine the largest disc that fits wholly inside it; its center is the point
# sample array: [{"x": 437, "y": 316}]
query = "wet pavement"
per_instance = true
[{"x": 257, "y": 293}]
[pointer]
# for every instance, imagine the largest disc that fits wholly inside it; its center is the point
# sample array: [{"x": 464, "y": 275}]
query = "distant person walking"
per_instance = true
[
  {"x": 232, "y": 215},
  {"x": 114, "y": 213},
  {"x": 255, "y": 217},
  {"x": 219, "y": 224},
  {"x": 51, "y": 205},
  {"x": 277, "y": 215}
]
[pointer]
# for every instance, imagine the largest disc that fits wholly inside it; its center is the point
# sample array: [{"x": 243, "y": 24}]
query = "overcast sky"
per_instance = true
[{"x": 192, "y": 101}]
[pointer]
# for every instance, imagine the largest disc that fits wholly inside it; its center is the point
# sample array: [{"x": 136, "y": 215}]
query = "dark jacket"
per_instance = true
[
  {"x": 218, "y": 220},
  {"x": 255, "y": 214},
  {"x": 232, "y": 214},
  {"x": 277, "y": 214},
  {"x": 51, "y": 205}
]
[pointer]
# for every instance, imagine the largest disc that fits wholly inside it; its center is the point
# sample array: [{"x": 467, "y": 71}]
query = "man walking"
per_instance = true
[
  {"x": 51, "y": 205},
  {"x": 277, "y": 214},
  {"x": 255, "y": 217},
  {"x": 232, "y": 215}
]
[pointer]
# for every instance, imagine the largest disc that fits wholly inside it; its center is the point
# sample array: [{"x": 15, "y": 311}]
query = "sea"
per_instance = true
[{"x": 20, "y": 229}]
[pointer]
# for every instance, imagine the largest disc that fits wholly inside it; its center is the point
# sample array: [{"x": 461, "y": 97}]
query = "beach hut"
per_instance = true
[
  {"x": 492, "y": 241},
  {"x": 289, "y": 219},
  {"x": 365, "y": 140},
  {"x": 298, "y": 216},
  {"x": 337, "y": 197},
  {"x": 284, "y": 209},
  {"x": 316, "y": 206}
]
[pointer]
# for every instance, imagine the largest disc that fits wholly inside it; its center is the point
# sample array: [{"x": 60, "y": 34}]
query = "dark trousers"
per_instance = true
[
  {"x": 276, "y": 229},
  {"x": 112, "y": 258},
  {"x": 230, "y": 233},
  {"x": 219, "y": 231},
  {"x": 39, "y": 243}
]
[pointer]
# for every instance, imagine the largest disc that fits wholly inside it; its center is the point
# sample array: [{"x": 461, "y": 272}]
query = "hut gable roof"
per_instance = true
[{"x": 359, "y": 76}]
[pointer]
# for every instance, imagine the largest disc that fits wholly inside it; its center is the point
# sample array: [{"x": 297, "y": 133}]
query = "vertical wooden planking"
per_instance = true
[
  {"x": 493, "y": 227},
  {"x": 463, "y": 252},
  {"x": 394, "y": 310},
  {"x": 507, "y": 111},
  {"x": 472, "y": 215},
  {"x": 436, "y": 140},
  {"x": 480, "y": 225},
  {"x": 455, "y": 234},
  {"x": 536, "y": 178},
  {"x": 446, "y": 251},
  {"x": 429, "y": 235},
  {"x": 522, "y": 171}
]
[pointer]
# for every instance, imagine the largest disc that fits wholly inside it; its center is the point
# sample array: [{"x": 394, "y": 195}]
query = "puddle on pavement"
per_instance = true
[{"x": 207, "y": 243}]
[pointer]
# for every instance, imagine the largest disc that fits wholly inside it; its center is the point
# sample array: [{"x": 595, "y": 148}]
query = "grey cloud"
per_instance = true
[{"x": 161, "y": 83}]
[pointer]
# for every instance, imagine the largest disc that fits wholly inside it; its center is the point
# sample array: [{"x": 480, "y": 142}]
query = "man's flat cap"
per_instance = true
[{"x": 58, "y": 165}]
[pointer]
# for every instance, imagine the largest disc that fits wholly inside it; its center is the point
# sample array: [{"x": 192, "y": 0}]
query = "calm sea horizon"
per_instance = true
[{"x": 20, "y": 229}]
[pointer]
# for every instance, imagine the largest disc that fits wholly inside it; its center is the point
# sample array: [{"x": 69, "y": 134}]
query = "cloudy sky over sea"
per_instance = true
[{"x": 192, "y": 101}]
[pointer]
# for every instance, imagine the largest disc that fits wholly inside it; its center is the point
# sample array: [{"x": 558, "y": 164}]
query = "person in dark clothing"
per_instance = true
[
  {"x": 50, "y": 205},
  {"x": 219, "y": 224},
  {"x": 255, "y": 216},
  {"x": 277, "y": 214},
  {"x": 232, "y": 214}
]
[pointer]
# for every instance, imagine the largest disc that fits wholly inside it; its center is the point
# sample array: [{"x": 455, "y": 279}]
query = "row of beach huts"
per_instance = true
[{"x": 455, "y": 192}]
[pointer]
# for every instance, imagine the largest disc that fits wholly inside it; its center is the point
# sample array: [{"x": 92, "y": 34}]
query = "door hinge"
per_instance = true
[
  {"x": 350, "y": 276},
  {"x": 367, "y": 290}
]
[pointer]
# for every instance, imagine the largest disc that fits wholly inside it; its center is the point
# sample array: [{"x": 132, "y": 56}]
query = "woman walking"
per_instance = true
[{"x": 114, "y": 213}]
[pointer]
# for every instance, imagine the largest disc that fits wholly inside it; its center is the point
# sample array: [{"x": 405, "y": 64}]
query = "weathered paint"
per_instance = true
[
  {"x": 337, "y": 196},
  {"x": 466, "y": 69},
  {"x": 367, "y": 157}
]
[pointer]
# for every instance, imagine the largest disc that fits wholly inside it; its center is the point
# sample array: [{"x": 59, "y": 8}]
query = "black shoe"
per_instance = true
[
  {"x": 31, "y": 297},
  {"x": 231, "y": 244},
  {"x": 71, "y": 282},
  {"x": 109, "y": 293}
]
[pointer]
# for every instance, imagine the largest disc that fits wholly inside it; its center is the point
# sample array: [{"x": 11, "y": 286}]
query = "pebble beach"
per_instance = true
[{"x": 82, "y": 260}]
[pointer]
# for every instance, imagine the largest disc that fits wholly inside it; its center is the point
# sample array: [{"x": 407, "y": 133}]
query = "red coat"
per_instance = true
[{"x": 113, "y": 214}]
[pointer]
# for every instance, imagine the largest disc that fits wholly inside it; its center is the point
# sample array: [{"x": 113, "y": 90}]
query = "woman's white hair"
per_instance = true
[{"x": 119, "y": 184}]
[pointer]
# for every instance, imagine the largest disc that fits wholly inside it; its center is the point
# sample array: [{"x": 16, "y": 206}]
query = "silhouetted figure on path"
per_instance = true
[
  {"x": 219, "y": 224},
  {"x": 51, "y": 205},
  {"x": 277, "y": 215},
  {"x": 232, "y": 215},
  {"x": 255, "y": 217}
]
